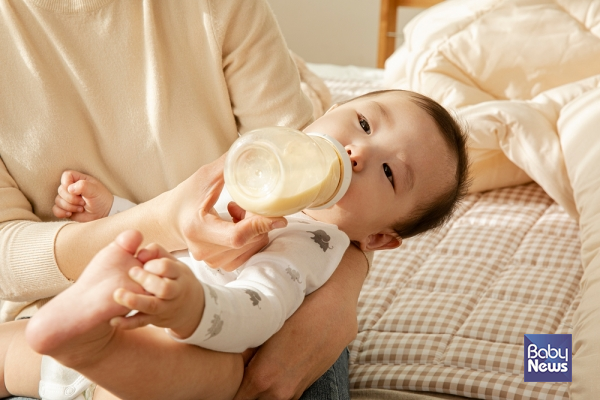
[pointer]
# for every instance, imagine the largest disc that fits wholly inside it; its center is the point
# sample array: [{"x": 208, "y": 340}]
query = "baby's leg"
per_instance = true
[
  {"x": 142, "y": 363},
  {"x": 19, "y": 365}
]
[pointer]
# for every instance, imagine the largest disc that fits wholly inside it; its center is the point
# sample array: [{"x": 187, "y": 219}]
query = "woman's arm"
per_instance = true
[
  {"x": 264, "y": 91},
  {"x": 178, "y": 219},
  {"x": 261, "y": 91},
  {"x": 311, "y": 339},
  {"x": 25, "y": 242}
]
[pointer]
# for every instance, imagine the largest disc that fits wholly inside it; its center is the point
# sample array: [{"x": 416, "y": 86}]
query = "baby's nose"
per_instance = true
[{"x": 355, "y": 159}]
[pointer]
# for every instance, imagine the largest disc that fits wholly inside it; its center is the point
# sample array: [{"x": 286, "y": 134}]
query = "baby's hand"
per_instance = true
[
  {"x": 175, "y": 297},
  {"x": 81, "y": 198}
]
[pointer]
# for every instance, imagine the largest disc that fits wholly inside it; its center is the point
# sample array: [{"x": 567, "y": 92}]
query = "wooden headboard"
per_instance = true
[{"x": 387, "y": 25}]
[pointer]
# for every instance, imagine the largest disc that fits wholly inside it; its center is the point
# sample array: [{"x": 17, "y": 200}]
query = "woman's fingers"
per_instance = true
[
  {"x": 248, "y": 354},
  {"x": 237, "y": 213},
  {"x": 232, "y": 259},
  {"x": 254, "y": 227},
  {"x": 214, "y": 185},
  {"x": 227, "y": 245},
  {"x": 235, "y": 235},
  {"x": 206, "y": 234}
]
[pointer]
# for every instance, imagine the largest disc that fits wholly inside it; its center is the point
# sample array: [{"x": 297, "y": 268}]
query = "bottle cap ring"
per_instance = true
[{"x": 346, "y": 170}]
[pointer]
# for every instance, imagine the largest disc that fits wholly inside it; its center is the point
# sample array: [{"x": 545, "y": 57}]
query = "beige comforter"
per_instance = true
[{"x": 524, "y": 76}]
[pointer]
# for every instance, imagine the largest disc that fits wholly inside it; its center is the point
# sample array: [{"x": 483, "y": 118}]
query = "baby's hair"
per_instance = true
[{"x": 436, "y": 212}]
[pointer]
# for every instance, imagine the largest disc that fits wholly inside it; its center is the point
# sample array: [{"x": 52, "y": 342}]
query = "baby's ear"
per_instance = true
[{"x": 381, "y": 241}]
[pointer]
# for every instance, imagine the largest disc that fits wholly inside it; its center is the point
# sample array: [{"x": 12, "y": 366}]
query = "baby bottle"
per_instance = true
[{"x": 278, "y": 171}]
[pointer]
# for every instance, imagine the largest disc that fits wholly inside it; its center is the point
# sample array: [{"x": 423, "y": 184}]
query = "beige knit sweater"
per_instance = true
[{"x": 137, "y": 93}]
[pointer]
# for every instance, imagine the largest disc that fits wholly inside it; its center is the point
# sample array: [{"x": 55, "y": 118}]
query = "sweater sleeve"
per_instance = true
[
  {"x": 262, "y": 78},
  {"x": 27, "y": 263}
]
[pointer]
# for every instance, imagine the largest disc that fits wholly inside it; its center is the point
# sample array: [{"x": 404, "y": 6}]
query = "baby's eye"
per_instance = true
[
  {"x": 388, "y": 173},
  {"x": 364, "y": 124}
]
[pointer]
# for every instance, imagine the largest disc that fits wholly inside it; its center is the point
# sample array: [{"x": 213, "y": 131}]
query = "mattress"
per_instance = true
[
  {"x": 447, "y": 312},
  {"x": 346, "y": 82}
]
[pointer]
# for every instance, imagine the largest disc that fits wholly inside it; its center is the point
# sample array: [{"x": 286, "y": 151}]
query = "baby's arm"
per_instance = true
[
  {"x": 269, "y": 288},
  {"x": 245, "y": 312},
  {"x": 81, "y": 198},
  {"x": 175, "y": 299}
]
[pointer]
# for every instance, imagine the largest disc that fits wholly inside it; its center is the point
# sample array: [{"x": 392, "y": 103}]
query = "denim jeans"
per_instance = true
[{"x": 334, "y": 384}]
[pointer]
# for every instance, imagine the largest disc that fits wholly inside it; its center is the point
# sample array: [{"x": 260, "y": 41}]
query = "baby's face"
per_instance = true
[{"x": 399, "y": 160}]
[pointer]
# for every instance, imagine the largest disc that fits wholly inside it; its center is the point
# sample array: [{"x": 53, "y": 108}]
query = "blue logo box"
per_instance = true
[{"x": 548, "y": 358}]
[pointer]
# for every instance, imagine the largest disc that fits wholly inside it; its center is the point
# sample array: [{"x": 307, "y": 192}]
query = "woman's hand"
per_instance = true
[
  {"x": 219, "y": 243},
  {"x": 182, "y": 218}
]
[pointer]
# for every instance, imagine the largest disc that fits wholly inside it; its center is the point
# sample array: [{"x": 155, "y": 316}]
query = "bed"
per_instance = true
[
  {"x": 424, "y": 323},
  {"x": 445, "y": 314}
]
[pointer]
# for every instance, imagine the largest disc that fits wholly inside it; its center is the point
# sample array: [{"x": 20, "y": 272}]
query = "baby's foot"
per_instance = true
[{"x": 74, "y": 326}]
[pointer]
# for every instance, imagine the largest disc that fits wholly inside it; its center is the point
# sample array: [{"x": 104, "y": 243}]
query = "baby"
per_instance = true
[{"x": 409, "y": 170}]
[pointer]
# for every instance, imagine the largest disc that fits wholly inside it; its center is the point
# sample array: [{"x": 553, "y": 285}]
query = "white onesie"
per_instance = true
[{"x": 246, "y": 307}]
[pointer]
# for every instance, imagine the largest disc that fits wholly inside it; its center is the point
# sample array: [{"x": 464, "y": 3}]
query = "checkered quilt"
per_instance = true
[{"x": 446, "y": 312}]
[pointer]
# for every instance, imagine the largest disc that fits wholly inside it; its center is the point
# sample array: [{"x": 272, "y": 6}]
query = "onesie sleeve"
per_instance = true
[
  {"x": 269, "y": 288},
  {"x": 120, "y": 204}
]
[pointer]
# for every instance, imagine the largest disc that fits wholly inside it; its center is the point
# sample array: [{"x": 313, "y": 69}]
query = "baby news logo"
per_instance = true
[{"x": 548, "y": 358}]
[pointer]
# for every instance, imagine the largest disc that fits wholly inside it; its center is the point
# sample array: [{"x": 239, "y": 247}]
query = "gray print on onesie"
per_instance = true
[
  {"x": 254, "y": 297},
  {"x": 212, "y": 294},
  {"x": 322, "y": 239},
  {"x": 215, "y": 328},
  {"x": 295, "y": 275}
]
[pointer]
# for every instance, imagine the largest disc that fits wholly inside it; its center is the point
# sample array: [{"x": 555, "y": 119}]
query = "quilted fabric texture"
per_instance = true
[{"x": 446, "y": 312}]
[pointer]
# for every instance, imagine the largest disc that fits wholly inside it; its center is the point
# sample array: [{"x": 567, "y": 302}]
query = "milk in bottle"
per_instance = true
[{"x": 278, "y": 171}]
